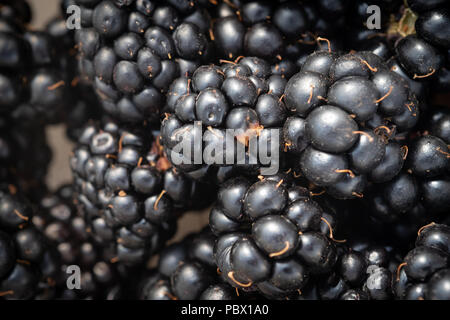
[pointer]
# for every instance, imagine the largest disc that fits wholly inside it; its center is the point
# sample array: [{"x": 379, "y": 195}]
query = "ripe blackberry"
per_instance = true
[
  {"x": 272, "y": 237},
  {"x": 186, "y": 271},
  {"x": 244, "y": 96},
  {"x": 29, "y": 266},
  {"x": 63, "y": 226},
  {"x": 131, "y": 51},
  {"x": 425, "y": 274},
  {"x": 422, "y": 55},
  {"x": 129, "y": 193},
  {"x": 347, "y": 113}
]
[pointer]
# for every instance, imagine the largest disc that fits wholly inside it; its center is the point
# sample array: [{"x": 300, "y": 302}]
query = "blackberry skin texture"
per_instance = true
[
  {"x": 130, "y": 195},
  {"x": 186, "y": 271},
  {"x": 347, "y": 114},
  {"x": 243, "y": 95},
  {"x": 61, "y": 223},
  {"x": 29, "y": 266},
  {"x": 424, "y": 273},
  {"x": 282, "y": 32},
  {"x": 272, "y": 237},
  {"x": 19, "y": 141},
  {"x": 31, "y": 80},
  {"x": 132, "y": 51},
  {"x": 422, "y": 55}
]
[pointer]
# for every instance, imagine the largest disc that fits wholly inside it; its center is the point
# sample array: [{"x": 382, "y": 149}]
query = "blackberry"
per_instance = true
[
  {"x": 131, "y": 51},
  {"x": 422, "y": 55},
  {"x": 129, "y": 193},
  {"x": 63, "y": 226},
  {"x": 186, "y": 271},
  {"x": 29, "y": 265},
  {"x": 244, "y": 96},
  {"x": 348, "y": 112},
  {"x": 424, "y": 273},
  {"x": 272, "y": 237}
]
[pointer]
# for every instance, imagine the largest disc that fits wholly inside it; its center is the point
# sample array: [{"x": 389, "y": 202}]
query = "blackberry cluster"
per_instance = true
[
  {"x": 186, "y": 271},
  {"x": 244, "y": 96},
  {"x": 129, "y": 193},
  {"x": 425, "y": 273},
  {"x": 131, "y": 51},
  {"x": 28, "y": 264},
  {"x": 350, "y": 113},
  {"x": 272, "y": 237},
  {"x": 63, "y": 226}
]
